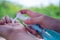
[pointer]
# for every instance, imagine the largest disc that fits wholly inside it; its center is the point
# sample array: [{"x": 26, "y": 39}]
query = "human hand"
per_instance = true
[
  {"x": 41, "y": 19},
  {"x": 7, "y": 27},
  {"x": 13, "y": 31}
]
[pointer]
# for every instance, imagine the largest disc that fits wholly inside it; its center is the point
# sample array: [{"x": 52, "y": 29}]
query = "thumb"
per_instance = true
[{"x": 36, "y": 20}]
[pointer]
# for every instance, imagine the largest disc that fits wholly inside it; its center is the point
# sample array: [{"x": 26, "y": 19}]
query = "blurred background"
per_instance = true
[{"x": 48, "y": 7}]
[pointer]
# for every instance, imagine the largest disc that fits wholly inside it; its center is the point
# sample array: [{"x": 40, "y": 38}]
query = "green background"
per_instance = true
[{"x": 8, "y": 8}]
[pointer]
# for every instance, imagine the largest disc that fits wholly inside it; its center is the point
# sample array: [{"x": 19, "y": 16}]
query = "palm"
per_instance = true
[{"x": 11, "y": 29}]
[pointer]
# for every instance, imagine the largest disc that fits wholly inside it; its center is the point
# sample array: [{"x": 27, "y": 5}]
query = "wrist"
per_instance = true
[
  {"x": 48, "y": 22},
  {"x": 51, "y": 23}
]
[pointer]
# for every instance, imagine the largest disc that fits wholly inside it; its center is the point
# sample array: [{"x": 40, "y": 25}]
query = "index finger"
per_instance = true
[{"x": 30, "y": 13}]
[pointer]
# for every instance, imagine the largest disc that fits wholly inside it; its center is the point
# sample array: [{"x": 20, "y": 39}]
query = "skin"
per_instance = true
[
  {"x": 16, "y": 31},
  {"x": 43, "y": 20},
  {"x": 13, "y": 31}
]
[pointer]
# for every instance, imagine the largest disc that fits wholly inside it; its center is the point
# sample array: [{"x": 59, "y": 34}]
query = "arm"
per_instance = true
[
  {"x": 43, "y": 20},
  {"x": 51, "y": 23}
]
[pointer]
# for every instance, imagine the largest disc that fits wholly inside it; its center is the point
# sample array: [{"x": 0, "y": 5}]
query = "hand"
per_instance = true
[
  {"x": 41, "y": 19},
  {"x": 13, "y": 31},
  {"x": 7, "y": 27}
]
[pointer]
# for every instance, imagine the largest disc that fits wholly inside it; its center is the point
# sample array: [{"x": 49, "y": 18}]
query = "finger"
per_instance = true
[
  {"x": 2, "y": 22},
  {"x": 30, "y": 13},
  {"x": 4, "y": 19},
  {"x": 24, "y": 11},
  {"x": 7, "y": 19},
  {"x": 37, "y": 20},
  {"x": 33, "y": 32},
  {"x": 17, "y": 21},
  {"x": 14, "y": 21}
]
